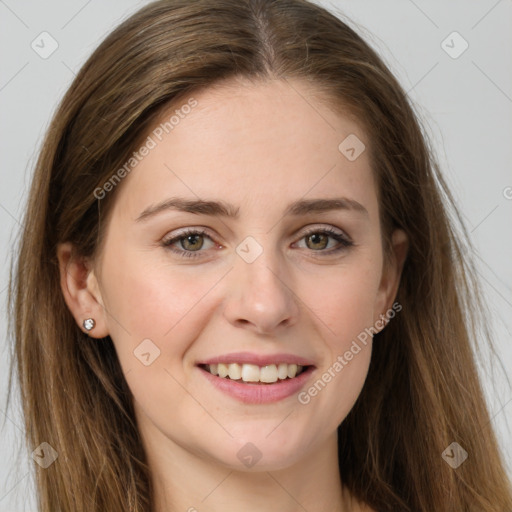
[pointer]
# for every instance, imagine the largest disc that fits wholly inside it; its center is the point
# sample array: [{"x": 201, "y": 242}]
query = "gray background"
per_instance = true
[{"x": 464, "y": 102}]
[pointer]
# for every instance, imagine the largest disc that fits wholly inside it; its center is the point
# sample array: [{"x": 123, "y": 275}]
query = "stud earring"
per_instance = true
[{"x": 89, "y": 324}]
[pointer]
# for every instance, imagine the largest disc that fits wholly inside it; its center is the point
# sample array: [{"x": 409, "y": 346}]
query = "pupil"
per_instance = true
[
  {"x": 314, "y": 238},
  {"x": 192, "y": 237}
]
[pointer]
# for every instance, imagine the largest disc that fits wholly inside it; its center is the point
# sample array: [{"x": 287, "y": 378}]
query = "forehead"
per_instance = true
[{"x": 271, "y": 142}]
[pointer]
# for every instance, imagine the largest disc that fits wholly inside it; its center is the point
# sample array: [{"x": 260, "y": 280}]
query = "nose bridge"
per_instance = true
[
  {"x": 261, "y": 295},
  {"x": 258, "y": 260}
]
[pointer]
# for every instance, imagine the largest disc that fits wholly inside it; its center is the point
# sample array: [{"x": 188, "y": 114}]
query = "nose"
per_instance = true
[{"x": 261, "y": 296}]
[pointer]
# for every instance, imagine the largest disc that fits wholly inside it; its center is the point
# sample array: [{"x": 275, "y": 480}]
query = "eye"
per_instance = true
[
  {"x": 318, "y": 239},
  {"x": 191, "y": 241}
]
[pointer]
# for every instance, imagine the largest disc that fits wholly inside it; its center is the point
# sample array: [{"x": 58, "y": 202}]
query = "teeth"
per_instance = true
[
  {"x": 282, "y": 371},
  {"x": 268, "y": 373},
  {"x": 249, "y": 372},
  {"x": 222, "y": 369},
  {"x": 235, "y": 371},
  {"x": 292, "y": 370},
  {"x": 253, "y": 373}
]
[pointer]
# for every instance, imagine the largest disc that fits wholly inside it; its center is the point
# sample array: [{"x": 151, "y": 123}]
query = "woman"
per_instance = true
[{"x": 239, "y": 270}]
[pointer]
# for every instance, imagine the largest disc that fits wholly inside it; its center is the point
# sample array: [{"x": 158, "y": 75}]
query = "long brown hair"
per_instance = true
[{"x": 415, "y": 402}]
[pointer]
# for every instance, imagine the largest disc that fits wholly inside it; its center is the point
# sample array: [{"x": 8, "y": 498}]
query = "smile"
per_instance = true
[
  {"x": 254, "y": 390},
  {"x": 251, "y": 373}
]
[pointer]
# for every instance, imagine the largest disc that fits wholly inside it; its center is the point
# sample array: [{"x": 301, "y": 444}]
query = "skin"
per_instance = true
[{"x": 258, "y": 146}]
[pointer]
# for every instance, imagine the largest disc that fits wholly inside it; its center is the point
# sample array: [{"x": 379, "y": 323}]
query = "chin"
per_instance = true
[{"x": 261, "y": 449}]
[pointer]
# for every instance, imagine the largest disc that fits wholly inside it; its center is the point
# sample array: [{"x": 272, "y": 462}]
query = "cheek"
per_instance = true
[
  {"x": 152, "y": 300},
  {"x": 344, "y": 304},
  {"x": 344, "y": 300}
]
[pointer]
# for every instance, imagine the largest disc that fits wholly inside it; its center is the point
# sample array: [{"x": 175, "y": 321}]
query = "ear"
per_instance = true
[
  {"x": 390, "y": 280},
  {"x": 81, "y": 290}
]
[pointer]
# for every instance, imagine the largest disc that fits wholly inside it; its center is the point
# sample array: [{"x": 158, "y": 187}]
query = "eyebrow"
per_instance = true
[{"x": 222, "y": 209}]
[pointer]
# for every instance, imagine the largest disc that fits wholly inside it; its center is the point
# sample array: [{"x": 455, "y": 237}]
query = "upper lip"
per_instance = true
[{"x": 257, "y": 359}]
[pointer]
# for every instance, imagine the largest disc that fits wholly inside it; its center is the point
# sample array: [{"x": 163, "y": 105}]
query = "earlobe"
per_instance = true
[
  {"x": 81, "y": 291},
  {"x": 392, "y": 273}
]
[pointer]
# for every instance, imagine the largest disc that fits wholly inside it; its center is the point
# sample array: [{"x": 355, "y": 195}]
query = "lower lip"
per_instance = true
[{"x": 259, "y": 393}]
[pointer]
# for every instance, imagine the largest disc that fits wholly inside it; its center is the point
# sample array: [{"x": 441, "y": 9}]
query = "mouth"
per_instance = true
[
  {"x": 253, "y": 374},
  {"x": 254, "y": 384},
  {"x": 255, "y": 378}
]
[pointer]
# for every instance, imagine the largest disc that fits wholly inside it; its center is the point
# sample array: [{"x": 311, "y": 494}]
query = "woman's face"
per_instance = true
[{"x": 279, "y": 281}]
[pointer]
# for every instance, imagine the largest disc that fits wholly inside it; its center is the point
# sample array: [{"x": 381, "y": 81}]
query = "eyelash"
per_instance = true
[{"x": 344, "y": 242}]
